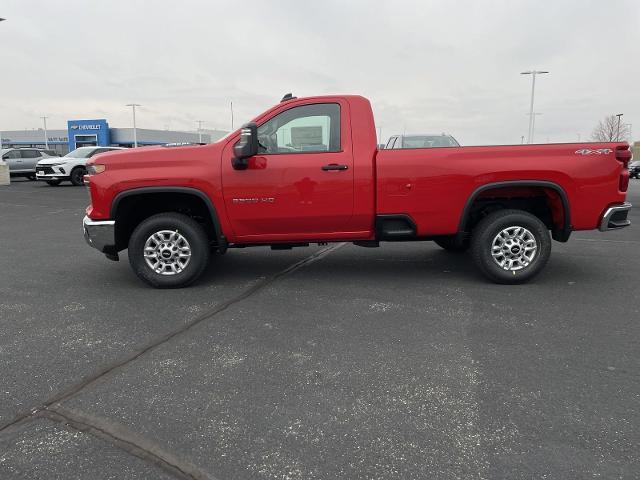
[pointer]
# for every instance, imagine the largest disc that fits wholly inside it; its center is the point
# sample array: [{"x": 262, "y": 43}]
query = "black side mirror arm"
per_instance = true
[{"x": 239, "y": 163}]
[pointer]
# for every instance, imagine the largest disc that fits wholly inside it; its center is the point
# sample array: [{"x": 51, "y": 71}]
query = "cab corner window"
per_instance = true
[{"x": 304, "y": 129}]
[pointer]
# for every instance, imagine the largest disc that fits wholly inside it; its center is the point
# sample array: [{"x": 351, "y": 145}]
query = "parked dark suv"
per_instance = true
[{"x": 634, "y": 169}]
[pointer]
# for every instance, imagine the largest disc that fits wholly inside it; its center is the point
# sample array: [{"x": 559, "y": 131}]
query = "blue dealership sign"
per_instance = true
[{"x": 88, "y": 133}]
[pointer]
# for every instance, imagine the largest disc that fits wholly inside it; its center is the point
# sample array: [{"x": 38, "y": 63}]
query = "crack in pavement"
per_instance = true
[
  {"x": 125, "y": 440},
  {"x": 56, "y": 413}
]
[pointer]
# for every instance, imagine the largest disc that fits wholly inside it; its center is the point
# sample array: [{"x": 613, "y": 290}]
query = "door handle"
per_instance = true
[{"x": 334, "y": 166}]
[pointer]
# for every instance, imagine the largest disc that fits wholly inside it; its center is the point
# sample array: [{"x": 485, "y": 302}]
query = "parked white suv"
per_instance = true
[{"x": 71, "y": 167}]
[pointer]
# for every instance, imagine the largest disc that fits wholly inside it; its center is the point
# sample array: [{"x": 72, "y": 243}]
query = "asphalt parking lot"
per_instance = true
[{"x": 321, "y": 362}]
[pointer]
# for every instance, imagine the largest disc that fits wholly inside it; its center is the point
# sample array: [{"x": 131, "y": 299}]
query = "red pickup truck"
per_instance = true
[{"x": 308, "y": 170}]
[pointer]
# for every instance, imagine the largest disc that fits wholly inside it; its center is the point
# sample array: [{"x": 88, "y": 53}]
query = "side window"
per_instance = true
[
  {"x": 97, "y": 151},
  {"x": 12, "y": 154},
  {"x": 309, "y": 128},
  {"x": 30, "y": 154}
]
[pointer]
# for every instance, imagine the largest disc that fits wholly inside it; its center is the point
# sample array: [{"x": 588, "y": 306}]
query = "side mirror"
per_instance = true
[{"x": 246, "y": 147}]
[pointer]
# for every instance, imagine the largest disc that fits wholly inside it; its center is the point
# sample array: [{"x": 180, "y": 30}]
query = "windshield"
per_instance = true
[
  {"x": 81, "y": 152},
  {"x": 429, "y": 141}
]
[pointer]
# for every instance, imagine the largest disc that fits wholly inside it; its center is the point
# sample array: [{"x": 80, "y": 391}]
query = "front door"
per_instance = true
[
  {"x": 300, "y": 185},
  {"x": 14, "y": 160},
  {"x": 86, "y": 140},
  {"x": 30, "y": 157}
]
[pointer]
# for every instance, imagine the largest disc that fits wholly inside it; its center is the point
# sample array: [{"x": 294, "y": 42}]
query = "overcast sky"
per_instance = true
[{"x": 427, "y": 66}]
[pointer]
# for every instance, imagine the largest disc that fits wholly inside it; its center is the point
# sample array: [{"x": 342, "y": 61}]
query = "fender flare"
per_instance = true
[
  {"x": 222, "y": 241},
  {"x": 561, "y": 235}
]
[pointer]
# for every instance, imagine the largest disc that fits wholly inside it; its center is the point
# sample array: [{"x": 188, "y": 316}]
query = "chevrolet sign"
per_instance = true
[{"x": 86, "y": 127}]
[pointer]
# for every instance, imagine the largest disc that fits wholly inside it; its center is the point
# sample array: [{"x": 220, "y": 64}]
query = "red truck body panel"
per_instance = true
[
  {"x": 433, "y": 185},
  {"x": 289, "y": 198}
]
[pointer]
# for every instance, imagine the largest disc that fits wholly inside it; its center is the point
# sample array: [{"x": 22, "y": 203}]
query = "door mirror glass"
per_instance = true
[{"x": 246, "y": 147}]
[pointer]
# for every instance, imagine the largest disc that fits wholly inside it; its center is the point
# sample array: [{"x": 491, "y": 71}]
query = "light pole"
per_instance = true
[
  {"x": 1, "y": 20},
  {"x": 46, "y": 136},
  {"x": 232, "y": 116},
  {"x": 619, "y": 115},
  {"x": 532, "y": 124},
  {"x": 200, "y": 122},
  {"x": 533, "y": 74},
  {"x": 135, "y": 133}
]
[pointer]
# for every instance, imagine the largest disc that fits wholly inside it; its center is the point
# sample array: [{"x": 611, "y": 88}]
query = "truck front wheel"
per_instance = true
[
  {"x": 169, "y": 250},
  {"x": 510, "y": 246}
]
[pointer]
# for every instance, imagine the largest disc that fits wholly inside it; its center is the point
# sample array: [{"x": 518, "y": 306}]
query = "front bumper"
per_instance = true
[
  {"x": 100, "y": 234},
  {"x": 51, "y": 177},
  {"x": 51, "y": 172},
  {"x": 615, "y": 217}
]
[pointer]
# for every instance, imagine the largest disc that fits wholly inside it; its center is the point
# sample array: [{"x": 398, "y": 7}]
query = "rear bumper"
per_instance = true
[
  {"x": 100, "y": 234},
  {"x": 615, "y": 217}
]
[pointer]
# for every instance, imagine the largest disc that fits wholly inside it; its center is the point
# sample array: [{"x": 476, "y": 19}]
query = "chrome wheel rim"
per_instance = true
[
  {"x": 514, "y": 248},
  {"x": 167, "y": 252}
]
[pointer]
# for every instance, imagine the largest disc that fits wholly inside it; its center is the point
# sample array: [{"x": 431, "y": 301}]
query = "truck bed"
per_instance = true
[{"x": 434, "y": 185}]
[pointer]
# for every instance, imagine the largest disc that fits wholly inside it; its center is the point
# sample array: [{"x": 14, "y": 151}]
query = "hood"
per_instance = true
[
  {"x": 54, "y": 160},
  {"x": 155, "y": 155}
]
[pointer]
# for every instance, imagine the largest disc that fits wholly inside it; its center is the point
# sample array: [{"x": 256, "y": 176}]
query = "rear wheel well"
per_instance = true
[
  {"x": 547, "y": 203},
  {"x": 133, "y": 209}
]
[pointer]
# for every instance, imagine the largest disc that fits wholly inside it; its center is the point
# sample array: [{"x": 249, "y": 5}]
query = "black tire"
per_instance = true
[
  {"x": 189, "y": 230},
  {"x": 76, "y": 176},
  {"x": 54, "y": 183},
  {"x": 453, "y": 244},
  {"x": 487, "y": 230}
]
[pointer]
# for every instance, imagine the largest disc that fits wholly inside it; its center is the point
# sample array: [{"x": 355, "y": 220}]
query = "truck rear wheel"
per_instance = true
[
  {"x": 510, "y": 246},
  {"x": 169, "y": 250}
]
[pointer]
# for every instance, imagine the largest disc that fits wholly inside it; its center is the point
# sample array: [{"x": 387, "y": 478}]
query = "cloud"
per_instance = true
[{"x": 426, "y": 66}]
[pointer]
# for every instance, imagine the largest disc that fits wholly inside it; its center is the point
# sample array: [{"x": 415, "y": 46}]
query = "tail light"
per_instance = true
[
  {"x": 624, "y": 180},
  {"x": 623, "y": 155}
]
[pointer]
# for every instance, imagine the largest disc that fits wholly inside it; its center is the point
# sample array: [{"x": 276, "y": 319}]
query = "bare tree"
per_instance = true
[{"x": 609, "y": 130}]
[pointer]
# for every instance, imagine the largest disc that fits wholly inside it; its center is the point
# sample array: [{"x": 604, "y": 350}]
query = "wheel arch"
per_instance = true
[
  {"x": 187, "y": 192},
  {"x": 560, "y": 233}
]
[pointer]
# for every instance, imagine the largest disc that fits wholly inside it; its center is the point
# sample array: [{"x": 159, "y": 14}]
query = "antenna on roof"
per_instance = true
[{"x": 287, "y": 97}]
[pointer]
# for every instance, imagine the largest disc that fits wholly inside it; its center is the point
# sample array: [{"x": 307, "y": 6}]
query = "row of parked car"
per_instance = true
[{"x": 49, "y": 166}]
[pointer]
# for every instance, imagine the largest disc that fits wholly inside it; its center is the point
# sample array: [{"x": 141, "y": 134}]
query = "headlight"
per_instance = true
[{"x": 94, "y": 169}]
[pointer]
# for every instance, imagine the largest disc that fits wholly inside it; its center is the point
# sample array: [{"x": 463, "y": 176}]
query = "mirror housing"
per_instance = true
[{"x": 246, "y": 147}]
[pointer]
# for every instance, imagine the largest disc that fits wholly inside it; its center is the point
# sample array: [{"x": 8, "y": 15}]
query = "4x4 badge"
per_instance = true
[{"x": 599, "y": 151}]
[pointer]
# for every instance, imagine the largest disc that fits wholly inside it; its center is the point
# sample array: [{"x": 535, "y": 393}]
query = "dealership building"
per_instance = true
[{"x": 83, "y": 133}]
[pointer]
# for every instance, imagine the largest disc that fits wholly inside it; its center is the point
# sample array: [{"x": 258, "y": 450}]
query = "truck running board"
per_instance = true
[
  {"x": 367, "y": 243},
  {"x": 287, "y": 246},
  {"x": 395, "y": 227}
]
